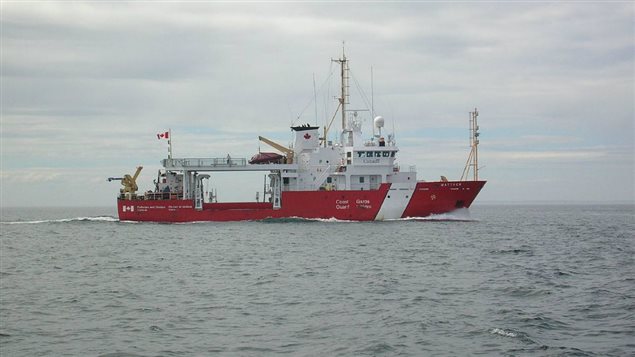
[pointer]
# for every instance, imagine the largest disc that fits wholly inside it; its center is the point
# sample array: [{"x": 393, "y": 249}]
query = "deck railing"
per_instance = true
[
  {"x": 202, "y": 162},
  {"x": 152, "y": 196}
]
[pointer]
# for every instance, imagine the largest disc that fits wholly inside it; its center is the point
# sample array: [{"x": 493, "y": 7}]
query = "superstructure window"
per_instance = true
[
  {"x": 385, "y": 153},
  {"x": 369, "y": 154},
  {"x": 361, "y": 179},
  {"x": 377, "y": 153},
  {"x": 392, "y": 154},
  {"x": 361, "y": 154}
]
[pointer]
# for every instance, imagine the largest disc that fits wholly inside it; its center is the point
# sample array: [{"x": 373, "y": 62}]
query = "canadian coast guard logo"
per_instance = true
[
  {"x": 307, "y": 136},
  {"x": 128, "y": 208}
]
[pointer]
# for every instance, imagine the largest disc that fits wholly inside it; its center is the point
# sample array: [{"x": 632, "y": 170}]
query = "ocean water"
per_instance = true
[{"x": 495, "y": 280}]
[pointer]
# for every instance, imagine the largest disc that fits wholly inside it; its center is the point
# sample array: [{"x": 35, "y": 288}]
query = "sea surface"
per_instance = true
[{"x": 508, "y": 280}]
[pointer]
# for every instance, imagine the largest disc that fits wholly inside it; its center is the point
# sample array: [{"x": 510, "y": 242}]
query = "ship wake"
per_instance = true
[
  {"x": 66, "y": 220},
  {"x": 303, "y": 220},
  {"x": 458, "y": 215}
]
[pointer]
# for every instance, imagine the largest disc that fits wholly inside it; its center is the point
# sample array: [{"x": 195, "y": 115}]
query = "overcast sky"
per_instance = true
[{"x": 86, "y": 86}]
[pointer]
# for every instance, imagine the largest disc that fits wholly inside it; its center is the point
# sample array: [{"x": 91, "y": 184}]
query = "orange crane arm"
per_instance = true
[{"x": 279, "y": 147}]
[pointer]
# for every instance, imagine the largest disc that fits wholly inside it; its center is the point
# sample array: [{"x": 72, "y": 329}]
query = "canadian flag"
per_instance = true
[{"x": 165, "y": 135}]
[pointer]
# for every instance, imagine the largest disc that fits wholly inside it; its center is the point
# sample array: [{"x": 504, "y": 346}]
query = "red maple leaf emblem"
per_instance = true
[{"x": 307, "y": 136}]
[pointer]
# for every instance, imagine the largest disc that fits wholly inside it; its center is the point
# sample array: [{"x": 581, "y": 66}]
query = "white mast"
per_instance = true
[
  {"x": 343, "y": 99},
  {"x": 472, "y": 160},
  {"x": 474, "y": 141},
  {"x": 315, "y": 100},
  {"x": 169, "y": 143},
  {"x": 372, "y": 95}
]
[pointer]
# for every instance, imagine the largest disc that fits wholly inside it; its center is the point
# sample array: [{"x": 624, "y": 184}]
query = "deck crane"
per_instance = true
[
  {"x": 279, "y": 147},
  {"x": 129, "y": 182}
]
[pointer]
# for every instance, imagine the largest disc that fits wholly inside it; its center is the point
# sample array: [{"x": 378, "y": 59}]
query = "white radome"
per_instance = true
[{"x": 379, "y": 122}]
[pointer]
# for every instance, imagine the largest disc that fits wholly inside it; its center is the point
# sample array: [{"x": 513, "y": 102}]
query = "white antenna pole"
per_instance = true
[
  {"x": 475, "y": 142},
  {"x": 315, "y": 100},
  {"x": 394, "y": 140},
  {"x": 169, "y": 143},
  {"x": 372, "y": 94},
  {"x": 372, "y": 101}
]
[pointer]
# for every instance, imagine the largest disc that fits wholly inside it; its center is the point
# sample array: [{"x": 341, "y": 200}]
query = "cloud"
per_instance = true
[
  {"x": 86, "y": 85},
  {"x": 31, "y": 175},
  {"x": 549, "y": 155}
]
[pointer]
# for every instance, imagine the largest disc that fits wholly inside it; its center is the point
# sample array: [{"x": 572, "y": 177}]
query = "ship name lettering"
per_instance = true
[
  {"x": 451, "y": 184},
  {"x": 341, "y": 204}
]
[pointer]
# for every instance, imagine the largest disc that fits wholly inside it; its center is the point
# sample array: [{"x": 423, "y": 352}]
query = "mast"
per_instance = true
[
  {"x": 472, "y": 160},
  {"x": 474, "y": 141},
  {"x": 315, "y": 100},
  {"x": 372, "y": 100},
  {"x": 343, "y": 99},
  {"x": 169, "y": 143}
]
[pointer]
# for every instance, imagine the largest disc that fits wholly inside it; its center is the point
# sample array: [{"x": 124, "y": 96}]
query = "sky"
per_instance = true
[{"x": 86, "y": 86}]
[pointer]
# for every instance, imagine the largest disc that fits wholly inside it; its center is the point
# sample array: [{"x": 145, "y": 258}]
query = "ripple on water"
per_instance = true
[{"x": 514, "y": 281}]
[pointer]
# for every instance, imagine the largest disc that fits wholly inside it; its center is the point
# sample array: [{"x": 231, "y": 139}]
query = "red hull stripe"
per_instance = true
[
  {"x": 428, "y": 198},
  {"x": 343, "y": 205}
]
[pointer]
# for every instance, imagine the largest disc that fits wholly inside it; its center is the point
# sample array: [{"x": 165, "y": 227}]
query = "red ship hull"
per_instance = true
[{"x": 426, "y": 199}]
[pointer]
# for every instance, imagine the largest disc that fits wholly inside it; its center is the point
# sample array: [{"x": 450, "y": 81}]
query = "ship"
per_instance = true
[{"x": 351, "y": 178}]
